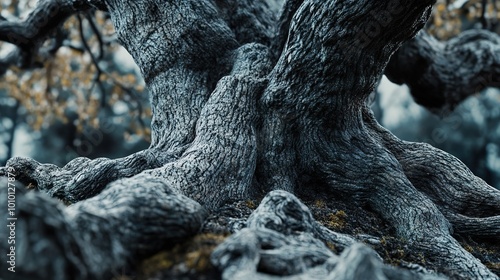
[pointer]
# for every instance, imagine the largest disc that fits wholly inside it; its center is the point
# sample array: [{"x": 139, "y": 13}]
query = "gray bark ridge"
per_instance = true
[{"x": 234, "y": 119}]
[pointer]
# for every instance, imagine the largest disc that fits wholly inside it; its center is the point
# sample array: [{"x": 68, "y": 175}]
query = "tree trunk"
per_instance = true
[{"x": 247, "y": 104}]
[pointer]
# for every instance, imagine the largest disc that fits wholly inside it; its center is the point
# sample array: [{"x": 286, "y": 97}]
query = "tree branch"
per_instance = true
[
  {"x": 47, "y": 16},
  {"x": 440, "y": 75}
]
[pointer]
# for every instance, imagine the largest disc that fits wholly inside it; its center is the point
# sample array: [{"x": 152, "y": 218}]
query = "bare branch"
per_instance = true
[
  {"x": 440, "y": 75},
  {"x": 47, "y": 16}
]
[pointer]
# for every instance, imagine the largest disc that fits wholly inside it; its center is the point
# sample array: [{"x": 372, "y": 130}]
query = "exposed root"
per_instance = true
[
  {"x": 81, "y": 178},
  {"x": 466, "y": 200},
  {"x": 419, "y": 220},
  {"x": 283, "y": 212},
  {"x": 488, "y": 227},
  {"x": 286, "y": 244},
  {"x": 91, "y": 239},
  {"x": 311, "y": 100},
  {"x": 335, "y": 156},
  {"x": 314, "y": 133},
  {"x": 414, "y": 216}
]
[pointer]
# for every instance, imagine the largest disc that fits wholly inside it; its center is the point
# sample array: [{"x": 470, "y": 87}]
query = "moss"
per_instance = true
[
  {"x": 421, "y": 257},
  {"x": 493, "y": 266},
  {"x": 332, "y": 247},
  {"x": 319, "y": 203},
  {"x": 250, "y": 204},
  {"x": 192, "y": 256},
  {"x": 199, "y": 260},
  {"x": 468, "y": 248},
  {"x": 383, "y": 241},
  {"x": 336, "y": 220},
  {"x": 158, "y": 262},
  {"x": 484, "y": 250},
  {"x": 122, "y": 277},
  {"x": 399, "y": 253}
]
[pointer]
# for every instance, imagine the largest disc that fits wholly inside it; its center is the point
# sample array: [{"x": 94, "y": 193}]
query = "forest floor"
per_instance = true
[{"x": 191, "y": 259}]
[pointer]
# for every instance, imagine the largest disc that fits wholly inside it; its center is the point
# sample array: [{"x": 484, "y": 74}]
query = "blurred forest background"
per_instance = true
[{"x": 85, "y": 96}]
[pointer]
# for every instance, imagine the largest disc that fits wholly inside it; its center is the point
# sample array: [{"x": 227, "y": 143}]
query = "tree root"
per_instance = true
[
  {"x": 414, "y": 216},
  {"x": 466, "y": 200},
  {"x": 93, "y": 239},
  {"x": 424, "y": 226},
  {"x": 286, "y": 243},
  {"x": 282, "y": 212},
  {"x": 313, "y": 134},
  {"x": 487, "y": 227},
  {"x": 334, "y": 146},
  {"x": 81, "y": 178}
]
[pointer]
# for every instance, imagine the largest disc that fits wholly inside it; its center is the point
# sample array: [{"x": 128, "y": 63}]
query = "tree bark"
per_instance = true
[
  {"x": 97, "y": 237},
  {"x": 246, "y": 104},
  {"x": 441, "y": 75}
]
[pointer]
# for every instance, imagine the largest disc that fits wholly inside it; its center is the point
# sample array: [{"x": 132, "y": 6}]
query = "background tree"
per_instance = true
[
  {"x": 78, "y": 95},
  {"x": 469, "y": 131},
  {"x": 247, "y": 104}
]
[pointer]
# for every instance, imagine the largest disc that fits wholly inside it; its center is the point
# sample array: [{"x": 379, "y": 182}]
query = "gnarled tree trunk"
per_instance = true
[{"x": 250, "y": 102}]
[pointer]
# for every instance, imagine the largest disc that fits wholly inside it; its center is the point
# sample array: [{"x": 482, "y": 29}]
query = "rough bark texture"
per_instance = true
[
  {"x": 440, "y": 75},
  {"x": 247, "y": 103},
  {"x": 101, "y": 235}
]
